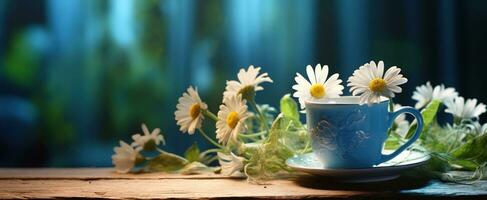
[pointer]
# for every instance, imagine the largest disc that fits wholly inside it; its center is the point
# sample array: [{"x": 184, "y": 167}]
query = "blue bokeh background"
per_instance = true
[{"x": 78, "y": 75}]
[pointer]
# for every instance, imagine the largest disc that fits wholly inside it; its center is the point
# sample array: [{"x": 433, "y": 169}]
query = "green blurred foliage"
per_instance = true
[{"x": 21, "y": 62}]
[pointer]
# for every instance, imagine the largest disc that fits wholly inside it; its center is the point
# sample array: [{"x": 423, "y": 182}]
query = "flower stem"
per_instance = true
[
  {"x": 160, "y": 151},
  {"x": 391, "y": 105},
  {"x": 457, "y": 120},
  {"x": 252, "y": 134},
  {"x": 262, "y": 117},
  {"x": 210, "y": 151},
  {"x": 254, "y": 137},
  {"x": 212, "y": 159},
  {"x": 210, "y": 115},
  {"x": 209, "y": 139},
  {"x": 391, "y": 109},
  {"x": 246, "y": 139}
]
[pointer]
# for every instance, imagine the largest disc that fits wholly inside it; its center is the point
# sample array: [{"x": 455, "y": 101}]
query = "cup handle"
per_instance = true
[{"x": 419, "y": 119}]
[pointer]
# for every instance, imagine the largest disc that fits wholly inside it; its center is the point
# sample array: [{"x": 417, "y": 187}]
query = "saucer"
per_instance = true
[{"x": 389, "y": 170}]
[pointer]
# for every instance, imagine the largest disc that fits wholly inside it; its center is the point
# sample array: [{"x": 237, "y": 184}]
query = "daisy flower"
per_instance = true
[
  {"x": 189, "y": 113},
  {"x": 424, "y": 94},
  {"x": 247, "y": 84},
  {"x": 483, "y": 129},
  {"x": 148, "y": 140},
  {"x": 231, "y": 118},
  {"x": 319, "y": 87},
  {"x": 230, "y": 163},
  {"x": 124, "y": 158},
  {"x": 479, "y": 129},
  {"x": 370, "y": 82},
  {"x": 464, "y": 110},
  {"x": 402, "y": 124}
]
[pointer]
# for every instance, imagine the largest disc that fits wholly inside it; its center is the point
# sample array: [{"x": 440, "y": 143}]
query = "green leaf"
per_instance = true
[
  {"x": 287, "y": 137},
  {"x": 429, "y": 114},
  {"x": 195, "y": 168},
  {"x": 473, "y": 150},
  {"x": 166, "y": 162},
  {"x": 392, "y": 142},
  {"x": 192, "y": 154},
  {"x": 439, "y": 162},
  {"x": 440, "y": 139},
  {"x": 289, "y": 107}
]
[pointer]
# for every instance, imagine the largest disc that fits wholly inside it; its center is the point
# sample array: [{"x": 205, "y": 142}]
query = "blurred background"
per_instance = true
[{"x": 78, "y": 75}]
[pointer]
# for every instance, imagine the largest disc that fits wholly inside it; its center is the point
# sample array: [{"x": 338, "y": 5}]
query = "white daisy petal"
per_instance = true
[
  {"x": 230, "y": 163},
  {"x": 318, "y": 74},
  {"x": 301, "y": 80},
  {"x": 319, "y": 87},
  {"x": 248, "y": 80},
  {"x": 392, "y": 72},
  {"x": 370, "y": 82},
  {"x": 311, "y": 74},
  {"x": 189, "y": 113},
  {"x": 373, "y": 69},
  {"x": 424, "y": 94},
  {"x": 380, "y": 68},
  {"x": 124, "y": 157},
  {"x": 462, "y": 109},
  {"x": 233, "y": 112},
  {"x": 141, "y": 140}
]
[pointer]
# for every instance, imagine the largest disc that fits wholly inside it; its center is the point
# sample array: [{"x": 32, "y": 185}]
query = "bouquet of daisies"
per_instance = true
[
  {"x": 254, "y": 140},
  {"x": 460, "y": 144}
]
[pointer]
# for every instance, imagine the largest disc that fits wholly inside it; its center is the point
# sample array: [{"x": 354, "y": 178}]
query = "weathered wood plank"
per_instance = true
[
  {"x": 92, "y": 173},
  {"x": 204, "y": 188},
  {"x": 164, "y": 188},
  {"x": 104, "y": 183}
]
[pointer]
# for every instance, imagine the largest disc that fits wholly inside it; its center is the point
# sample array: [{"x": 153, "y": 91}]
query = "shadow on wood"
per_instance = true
[{"x": 401, "y": 183}]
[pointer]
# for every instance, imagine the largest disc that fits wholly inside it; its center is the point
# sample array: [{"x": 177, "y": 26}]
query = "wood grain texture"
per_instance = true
[
  {"x": 104, "y": 183},
  {"x": 90, "y": 173},
  {"x": 165, "y": 188}
]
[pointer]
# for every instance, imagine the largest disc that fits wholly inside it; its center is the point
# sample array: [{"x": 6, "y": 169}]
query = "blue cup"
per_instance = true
[{"x": 345, "y": 134}]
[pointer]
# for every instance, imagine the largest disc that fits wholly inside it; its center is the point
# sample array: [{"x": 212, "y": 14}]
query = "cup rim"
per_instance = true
[{"x": 341, "y": 100}]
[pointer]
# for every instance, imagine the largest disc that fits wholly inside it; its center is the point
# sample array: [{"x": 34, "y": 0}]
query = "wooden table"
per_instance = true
[{"x": 104, "y": 183}]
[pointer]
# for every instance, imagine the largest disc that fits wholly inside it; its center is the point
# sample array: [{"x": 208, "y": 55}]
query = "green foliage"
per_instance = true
[
  {"x": 429, "y": 114},
  {"x": 473, "y": 152},
  {"x": 287, "y": 137},
  {"x": 152, "y": 25},
  {"x": 166, "y": 162},
  {"x": 269, "y": 158},
  {"x": 439, "y": 139},
  {"x": 192, "y": 154},
  {"x": 393, "y": 141},
  {"x": 289, "y": 107},
  {"x": 195, "y": 168},
  {"x": 254, "y": 123},
  {"x": 452, "y": 147},
  {"x": 474, "y": 148},
  {"x": 21, "y": 62},
  {"x": 268, "y": 112},
  {"x": 295, "y": 133},
  {"x": 61, "y": 130},
  {"x": 451, "y": 150}
]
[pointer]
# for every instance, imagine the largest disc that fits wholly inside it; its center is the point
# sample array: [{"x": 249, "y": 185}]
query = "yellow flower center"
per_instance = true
[
  {"x": 317, "y": 90},
  {"x": 232, "y": 119},
  {"x": 377, "y": 85},
  {"x": 195, "y": 111}
]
